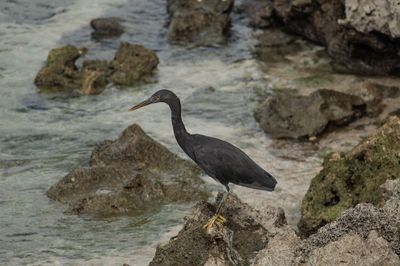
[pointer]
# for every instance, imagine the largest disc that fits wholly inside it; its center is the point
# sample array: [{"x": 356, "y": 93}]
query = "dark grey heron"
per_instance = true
[{"x": 219, "y": 159}]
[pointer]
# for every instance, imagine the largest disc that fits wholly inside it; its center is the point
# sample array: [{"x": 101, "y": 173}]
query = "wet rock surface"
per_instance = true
[
  {"x": 352, "y": 178},
  {"x": 360, "y": 36},
  {"x": 280, "y": 114},
  {"x": 130, "y": 174},
  {"x": 301, "y": 78},
  {"x": 201, "y": 22},
  {"x": 106, "y": 28},
  {"x": 131, "y": 65},
  {"x": 60, "y": 72},
  {"x": 247, "y": 231}
]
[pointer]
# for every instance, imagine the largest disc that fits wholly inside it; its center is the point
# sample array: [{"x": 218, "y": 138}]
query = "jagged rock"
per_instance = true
[
  {"x": 94, "y": 76},
  {"x": 373, "y": 16},
  {"x": 260, "y": 13},
  {"x": 246, "y": 232},
  {"x": 129, "y": 174},
  {"x": 360, "y": 36},
  {"x": 132, "y": 63},
  {"x": 279, "y": 115},
  {"x": 280, "y": 251},
  {"x": 354, "y": 250},
  {"x": 106, "y": 28},
  {"x": 363, "y": 235},
  {"x": 201, "y": 22},
  {"x": 352, "y": 178},
  {"x": 60, "y": 72}
]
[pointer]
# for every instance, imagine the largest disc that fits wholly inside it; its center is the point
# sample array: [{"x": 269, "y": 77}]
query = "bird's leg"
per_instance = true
[{"x": 217, "y": 217}]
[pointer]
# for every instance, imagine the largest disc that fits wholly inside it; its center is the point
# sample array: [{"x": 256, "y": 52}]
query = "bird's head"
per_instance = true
[{"x": 165, "y": 96}]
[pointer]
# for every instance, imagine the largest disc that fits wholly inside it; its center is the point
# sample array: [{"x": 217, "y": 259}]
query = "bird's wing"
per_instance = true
[{"x": 228, "y": 164}]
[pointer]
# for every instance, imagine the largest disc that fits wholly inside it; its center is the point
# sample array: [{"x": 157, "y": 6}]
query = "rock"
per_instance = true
[
  {"x": 354, "y": 250},
  {"x": 201, "y": 22},
  {"x": 280, "y": 251},
  {"x": 132, "y": 63},
  {"x": 129, "y": 174},
  {"x": 373, "y": 16},
  {"x": 106, "y": 28},
  {"x": 352, "y": 178},
  {"x": 60, "y": 72},
  {"x": 94, "y": 76},
  {"x": 246, "y": 232},
  {"x": 260, "y": 13},
  {"x": 360, "y": 36},
  {"x": 363, "y": 235},
  {"x": 279, "y": 115}
]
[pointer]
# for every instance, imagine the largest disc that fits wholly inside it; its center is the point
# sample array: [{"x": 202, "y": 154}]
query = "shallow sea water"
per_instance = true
[{"x": 43, "y": 137}]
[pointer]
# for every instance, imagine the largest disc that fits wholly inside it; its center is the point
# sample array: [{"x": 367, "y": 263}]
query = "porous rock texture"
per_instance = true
[
  {"x": 352, "y": 178},
  {"x": 203, "y": 22},
  {"x": 290, "y": 115},
  {"x": 127, "y": 175},
  {"x": 131, "y": 65},
  {"x": 361, "y": 36},
  {"x": 236, "y": 243},
  {"x": 363, "y": 235}
]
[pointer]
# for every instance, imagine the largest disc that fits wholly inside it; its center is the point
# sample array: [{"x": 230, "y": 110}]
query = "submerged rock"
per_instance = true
[
  {"x": 106, "y": 28},
  {"x": 247, "y": 231},
  {"x": 60, "y": 72},
  {"x": 132, "y": 63},
  {"x": 201, "y": 22},
  {"x": 352, "y": 178},
  {"x": 363, "y": 235},
  {"x": 129, "y": 174},
  {"x": 280, "y": 114}
]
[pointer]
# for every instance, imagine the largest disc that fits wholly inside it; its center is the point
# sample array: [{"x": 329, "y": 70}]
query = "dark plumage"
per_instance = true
[{"x": 219, "y": 159}]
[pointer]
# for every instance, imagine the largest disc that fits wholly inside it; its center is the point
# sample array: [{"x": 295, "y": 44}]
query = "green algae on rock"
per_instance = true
[
  {"x": 60, "y": 71},
  {"x": 352, "y": 178},
  {"x": 132, "y": 63}
]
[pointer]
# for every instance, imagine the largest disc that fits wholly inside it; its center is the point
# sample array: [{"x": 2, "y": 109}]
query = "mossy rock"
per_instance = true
[
  {"x": 132, "y": 63},
  {"x": 352, "y": 178}
]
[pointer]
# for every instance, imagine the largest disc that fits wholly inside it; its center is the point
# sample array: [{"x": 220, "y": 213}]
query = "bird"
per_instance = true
[{"x": 219, "y": 159}]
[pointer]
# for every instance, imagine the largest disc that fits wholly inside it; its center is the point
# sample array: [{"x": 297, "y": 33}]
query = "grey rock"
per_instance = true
[
  {"x": 129, "y": 174},
  {"x": 236, "y": 243},
  {"x": 360, "y": 36},
  {"x": 354, "y": 250},
  {"x": 363, "y": 235},
  {"x": 203, "y": 22},
  {"x": 289, "y": 115},
  {"x": 260, "y": 13},
  {"x": 106, "y": 28},
  {"x": 373, "y": 16}
]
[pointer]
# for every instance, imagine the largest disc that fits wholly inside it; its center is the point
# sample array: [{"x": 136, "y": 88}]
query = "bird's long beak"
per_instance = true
[{"x": 142, "y": 104}]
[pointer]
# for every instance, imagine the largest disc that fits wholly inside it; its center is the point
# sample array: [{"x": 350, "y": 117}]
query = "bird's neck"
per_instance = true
[{"x": 180, "y": 132}]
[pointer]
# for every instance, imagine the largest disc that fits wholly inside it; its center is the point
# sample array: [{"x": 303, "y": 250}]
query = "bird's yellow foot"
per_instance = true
[{"x": 216, "y": 218}]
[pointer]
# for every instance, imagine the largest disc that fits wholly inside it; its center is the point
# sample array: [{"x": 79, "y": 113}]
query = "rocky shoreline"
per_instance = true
[{"x": 347, "y": 77}]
